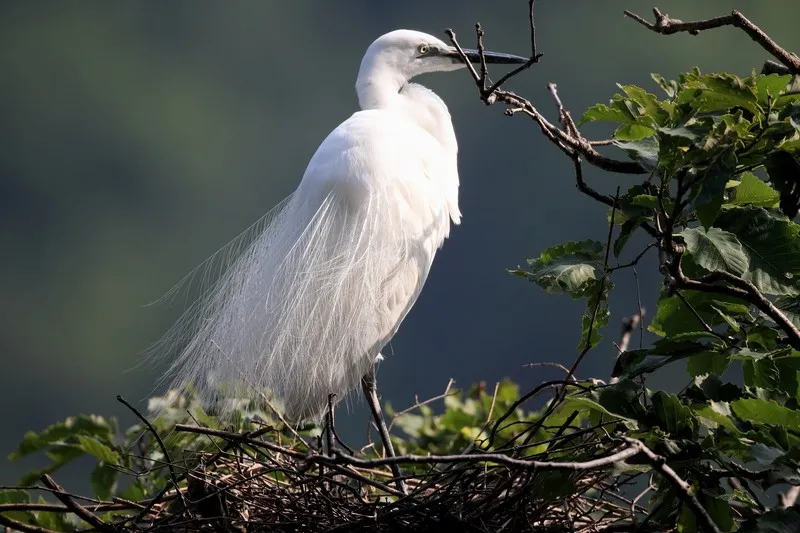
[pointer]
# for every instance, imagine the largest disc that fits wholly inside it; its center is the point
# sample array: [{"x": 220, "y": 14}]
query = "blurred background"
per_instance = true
[{"x": 137, "y": 138}]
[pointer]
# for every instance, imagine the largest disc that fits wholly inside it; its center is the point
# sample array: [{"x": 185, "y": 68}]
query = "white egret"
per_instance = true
[{"x": 306, "y": 308}]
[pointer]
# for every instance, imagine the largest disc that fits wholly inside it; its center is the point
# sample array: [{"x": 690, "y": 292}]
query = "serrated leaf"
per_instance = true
[
  {"x": 567, "y": 267},
  {"x": 772, "y": 246},
  {"x": 708, "y": 93},
  {"x": 600, "y": 112},
  {"x": 753, "y": 191},
  {"x": 716, "y": 249},
  {"x": 649, "y": 109},
  {"x": 766, "y": 412}
]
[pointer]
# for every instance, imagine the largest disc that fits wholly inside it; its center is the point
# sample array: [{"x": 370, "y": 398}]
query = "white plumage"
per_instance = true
[{"x": 305, "y": 309}]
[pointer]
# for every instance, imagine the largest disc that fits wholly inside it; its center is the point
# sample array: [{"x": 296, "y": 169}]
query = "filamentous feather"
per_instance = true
[
  {"x": 304, "y": 311},
  {"x": 304, "y": 308}
]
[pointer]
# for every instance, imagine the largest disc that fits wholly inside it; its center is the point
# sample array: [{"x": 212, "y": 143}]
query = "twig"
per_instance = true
[
  {"x": 667, "y": 26},
  {"x": 173, "y": 475},
  {"x": 338, "y": 458},
  {"x": 79, "y": 511},
  {"x": 603, "y": 278},
  {"x": 417, "y": 404},
  {"x": 685, "y": 491},
  {"x": 16, "y": 525},
  {"x": 738, "y": 288}
]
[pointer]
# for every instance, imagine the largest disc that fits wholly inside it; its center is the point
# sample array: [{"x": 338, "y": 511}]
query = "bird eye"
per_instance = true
[{"x": 423, "y": 49}]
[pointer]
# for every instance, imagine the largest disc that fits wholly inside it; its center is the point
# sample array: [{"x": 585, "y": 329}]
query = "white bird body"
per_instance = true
[{"x": 305, "y": 310}]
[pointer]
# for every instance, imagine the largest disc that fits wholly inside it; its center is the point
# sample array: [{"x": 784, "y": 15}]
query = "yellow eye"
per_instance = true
[{"x": 423, "y": 49}]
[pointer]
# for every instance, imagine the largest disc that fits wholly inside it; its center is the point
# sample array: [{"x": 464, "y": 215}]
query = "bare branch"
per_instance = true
[
  {"x": 80, "y": 511},
  {"x": 667, "y": 26}
]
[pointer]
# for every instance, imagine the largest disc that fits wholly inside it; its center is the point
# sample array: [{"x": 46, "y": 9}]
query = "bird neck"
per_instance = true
[
  {"x": 379, "y": 88},
  {"x": 387, "y": 90}
]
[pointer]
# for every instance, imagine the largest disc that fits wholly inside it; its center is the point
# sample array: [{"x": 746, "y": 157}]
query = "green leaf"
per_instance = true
[
  {"x": 600, "y": 112},
  {"x": 712, "y": 188},
  {"x": 75, "y": 425},
  {"x": 16, "y": 496},
  {"x": 644, "y": 152},
  {"x": 775, "y": 521},
  {"x": 753, "y": 191},
  {"x": 95, "y": 448},
  {"x": 707, "y": 363},
  {"x": 766, "y": 412},
  {"x": 567, "y": 267},
  {"x": 772, "y": 245},
  {"x": 625, "y": 232},
  {"x": 715, "y": 249},
  {"x": 648, "y": 109},
  {"x": 719, "y": 413},
  {"x": 633, "y": 132},
  {"x": 673, "y": 317},
  {"x": 707, "y": 93},
  {"x": 790, "y": 307},
  {"x": 622, "y": 399},
  {"x": 673, "y": 417},
  {"x": 769, "y": 86},
  {"x": 103, "y": 481},
  {"x": 597, "y": 312},
  {"x": 670, "y": 87},
  {"x": 771, "y": 372}
]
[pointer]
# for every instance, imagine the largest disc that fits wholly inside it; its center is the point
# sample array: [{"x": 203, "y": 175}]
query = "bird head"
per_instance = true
[{"x": 409, "y": 53}]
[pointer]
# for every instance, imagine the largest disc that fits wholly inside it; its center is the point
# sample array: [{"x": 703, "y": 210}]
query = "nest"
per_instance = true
[
  {"x": 522, "y": 474},
  {"x": 256, "y": 485}
]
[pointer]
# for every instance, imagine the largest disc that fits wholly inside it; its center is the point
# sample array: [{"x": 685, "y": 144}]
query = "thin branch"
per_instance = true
[
  {"x": 417, "y": 404},
  {"x": 667, "y": 26},
  {"x": 79, "y": 511},
  {"x": 16, "y": 525},
  {"x": 739, "y": 288},
  {"x": 339, "y": 458},
  {"x": 173, "y": 475},
  {"x": 685, "y": 491}
]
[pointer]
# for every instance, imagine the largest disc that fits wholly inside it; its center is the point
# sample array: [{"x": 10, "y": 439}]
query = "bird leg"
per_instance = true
[
  {"x": 331, "y": 435},
  {"x": 371, "y": 393}
]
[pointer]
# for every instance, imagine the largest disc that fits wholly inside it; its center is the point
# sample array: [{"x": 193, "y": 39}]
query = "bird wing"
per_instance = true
[
  {"x": 305, "y": 310},
  {"x": 381, "y": 161}
]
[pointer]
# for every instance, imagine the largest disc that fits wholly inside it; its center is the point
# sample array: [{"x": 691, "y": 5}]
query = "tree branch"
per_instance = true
[
  {"x": 667, "y": 26},
  {"x": 685, "y": 491},
  {"x": 79, "y": 511}
]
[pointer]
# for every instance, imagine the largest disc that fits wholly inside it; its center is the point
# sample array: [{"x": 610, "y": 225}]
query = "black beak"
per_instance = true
[{"x": 491, "y": 57}]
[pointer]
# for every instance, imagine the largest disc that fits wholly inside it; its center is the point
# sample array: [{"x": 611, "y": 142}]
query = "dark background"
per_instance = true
[{"x": 137, "y": 138}]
